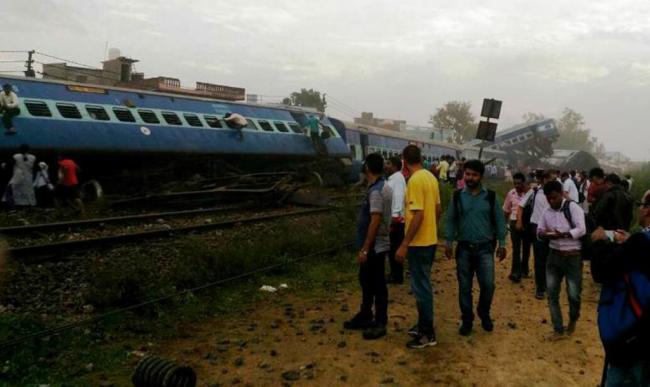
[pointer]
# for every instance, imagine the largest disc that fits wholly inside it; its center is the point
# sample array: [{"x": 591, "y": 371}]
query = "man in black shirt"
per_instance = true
[{"x": 615, "y": 208}]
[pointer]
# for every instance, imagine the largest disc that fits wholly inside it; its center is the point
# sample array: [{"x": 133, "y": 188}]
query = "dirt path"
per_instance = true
[{"x": 303, "y": 336}]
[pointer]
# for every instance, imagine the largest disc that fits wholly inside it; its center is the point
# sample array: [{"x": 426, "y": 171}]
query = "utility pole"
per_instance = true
[{"x": 28, "y": 64}]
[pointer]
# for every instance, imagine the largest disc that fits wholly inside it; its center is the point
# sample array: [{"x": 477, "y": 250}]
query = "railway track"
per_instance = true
[{"x": 47, "y": 251}]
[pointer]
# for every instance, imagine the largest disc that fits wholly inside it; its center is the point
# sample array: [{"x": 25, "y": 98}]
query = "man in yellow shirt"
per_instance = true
[
  {"x": 443, "y": 168},
  {"x": 422, "y": 210}
]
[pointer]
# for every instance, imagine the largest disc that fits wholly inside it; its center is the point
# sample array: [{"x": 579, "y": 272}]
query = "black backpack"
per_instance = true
[
  {"x": 491, "y": 198},
  {"x": 527, "y": 211},
  {"x": 590, "y": 225}
]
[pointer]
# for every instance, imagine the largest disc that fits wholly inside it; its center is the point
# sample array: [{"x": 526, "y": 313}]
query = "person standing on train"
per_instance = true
[
  {"x": 237, "y": 122},
  {"x": 373, "y": 243},
  {"x": 397, "y": 183},
  {"x": 9, "y": 108}
]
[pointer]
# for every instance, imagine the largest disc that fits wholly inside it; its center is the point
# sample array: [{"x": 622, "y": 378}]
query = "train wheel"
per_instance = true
[{"x": 91, "y": 190}]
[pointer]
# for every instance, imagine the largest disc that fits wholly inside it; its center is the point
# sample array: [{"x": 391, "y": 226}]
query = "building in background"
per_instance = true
[
  {"x": 368, "y": 118},
  {"x": 119, "y": 71}
]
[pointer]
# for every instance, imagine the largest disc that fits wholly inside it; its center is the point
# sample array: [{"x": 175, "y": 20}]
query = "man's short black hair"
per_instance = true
[
  {"x": 613, "y": 178},
  {"x": 412, "y": 155},
  {"x": 6, "y": 86},
  {"x": 476, "y": 166},
  {"x": 396, "y": 162},
  {"x": 565, "y": 174},
  {"x": 375, "y": 163},
  {"x": 596, "y": 172},
  {"x": 227, "y": 115},
  {"x": 552, "y": 186},
  {"x": 519, "y": 176}
]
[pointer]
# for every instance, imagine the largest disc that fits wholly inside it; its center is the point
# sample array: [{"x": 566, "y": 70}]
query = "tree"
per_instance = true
[
  {"x": 307, "y": 98},
  {"x": 532, "y": 117},
  {"x": 455, "y": 116},
  {"x": 574, "y": 134}
]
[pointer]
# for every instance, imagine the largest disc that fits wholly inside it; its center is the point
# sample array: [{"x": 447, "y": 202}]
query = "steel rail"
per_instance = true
[
  {"x": 52, "y": 331},
  {"x": 114, "y": 219},
  {"x": 41, "y": 252}
]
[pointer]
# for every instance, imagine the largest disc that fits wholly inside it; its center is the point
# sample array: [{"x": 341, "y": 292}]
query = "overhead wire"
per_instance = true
[{"x": 73, "y": 62}]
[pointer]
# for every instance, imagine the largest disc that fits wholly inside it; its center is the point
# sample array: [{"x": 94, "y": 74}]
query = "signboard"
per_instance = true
[
  {"x": 486, "y": 131},
  {"x": 86, "y": 89},
  {"x": 491, "y": 108}
]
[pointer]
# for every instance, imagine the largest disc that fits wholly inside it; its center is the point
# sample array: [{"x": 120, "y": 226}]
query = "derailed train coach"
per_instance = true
[{"x": 110, "y": 129}]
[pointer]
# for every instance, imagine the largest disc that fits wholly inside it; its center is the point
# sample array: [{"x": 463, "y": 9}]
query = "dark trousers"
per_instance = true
[
  {"x": 396, "y": 237},
  {"x": 373, "y": 288},
  {"x": 557, "y": 268},
  {"x": 7, "y": 117},
  {"x": 420, "y": 260},
  {"x": 479, "y": 259},
  {"x": 521, "y": 242},
  {"x": 540, "y": 249}
]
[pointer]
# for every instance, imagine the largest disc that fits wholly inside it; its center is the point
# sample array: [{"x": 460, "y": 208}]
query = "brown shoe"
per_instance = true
[{"x": 556, "y": 336}]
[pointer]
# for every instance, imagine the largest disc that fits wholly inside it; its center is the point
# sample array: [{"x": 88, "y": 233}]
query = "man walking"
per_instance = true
[
  {"x": 562, "y": 224},
  {"x": 615, "y": 208},
  {"x": 422, "y": 210},
  {"x": 9, "y": 108},
  {"x": 475, "y": 219},
  {"x": 618, "y": 259},
  {"x": 531, "y": 208},
  {"x": 569, "y": 187},
  {"x": 397, "y": 183},
  {"x": 373, "y": 243},
  {"x": 520, "y": 239}
]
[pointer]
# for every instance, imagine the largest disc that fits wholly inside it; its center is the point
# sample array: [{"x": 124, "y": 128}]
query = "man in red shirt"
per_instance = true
[
  {"x": 69, "y": 183},
  {"x": 597, "y": 187}
]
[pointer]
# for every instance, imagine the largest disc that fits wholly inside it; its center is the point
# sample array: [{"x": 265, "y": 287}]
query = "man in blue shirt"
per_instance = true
[{"x": 475, "y": 219}]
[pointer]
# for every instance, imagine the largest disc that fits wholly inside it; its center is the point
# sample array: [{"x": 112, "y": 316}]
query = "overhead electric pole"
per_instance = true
[{"x": 28, "y": 64}]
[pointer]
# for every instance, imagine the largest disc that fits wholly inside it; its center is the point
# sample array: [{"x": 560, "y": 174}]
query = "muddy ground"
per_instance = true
[{"x": 298, "y": 340}]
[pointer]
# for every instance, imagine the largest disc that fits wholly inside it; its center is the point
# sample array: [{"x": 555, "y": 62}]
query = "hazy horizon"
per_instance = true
[{"x": 394, "y": 59}]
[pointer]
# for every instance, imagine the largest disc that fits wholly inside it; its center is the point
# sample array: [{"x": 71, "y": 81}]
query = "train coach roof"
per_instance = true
[{"x": 399, "y": 135}]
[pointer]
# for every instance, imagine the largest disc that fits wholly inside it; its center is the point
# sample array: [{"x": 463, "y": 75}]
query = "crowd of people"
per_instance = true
[
  {"x": 565, "y": 217},
  {"x": 29, "y": 184}
]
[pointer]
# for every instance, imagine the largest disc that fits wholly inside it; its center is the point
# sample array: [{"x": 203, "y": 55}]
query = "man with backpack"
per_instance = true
[
  {"x": 475, "y": 219},
  {"x": 531, "y": 208},
  {"x": 620, "y": 263},
  {"x": 520, "y": 239},
  {"x": 562, "y": 224}
]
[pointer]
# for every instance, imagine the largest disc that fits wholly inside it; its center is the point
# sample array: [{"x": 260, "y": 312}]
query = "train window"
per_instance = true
[
  {"x": 68, "y": 110},
  {"x": 148, "y": 116},
  {"x": 295, "y": 128},
  {"x": 97, "y": 113},
  {"x": 123, "y": 115},
  {"x": 213, "y": 121},
  {"x": 251, "y": 124},
  {"x": 280, "y": 126},
  {"x": 265, "y": 125},
  {"x": 192, "y": 119},
  {"x": 171, "y": 118},
  {"x": 38, "y": 109}
]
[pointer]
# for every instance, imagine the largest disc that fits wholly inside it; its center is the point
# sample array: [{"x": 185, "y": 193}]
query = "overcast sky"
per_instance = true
[{"x": 398, "y": 59}]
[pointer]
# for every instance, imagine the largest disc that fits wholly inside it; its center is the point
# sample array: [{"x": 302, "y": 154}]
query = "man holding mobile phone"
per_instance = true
[{"x": 562, "y": 224}]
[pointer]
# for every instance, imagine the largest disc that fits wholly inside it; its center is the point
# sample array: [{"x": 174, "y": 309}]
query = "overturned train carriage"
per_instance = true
[{"x": 115, "y": 131}]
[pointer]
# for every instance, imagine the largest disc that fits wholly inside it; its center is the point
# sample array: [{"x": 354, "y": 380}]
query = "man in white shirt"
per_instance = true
[
  {"x": 397, "y": 183},
  {"x": 8, "y": 108},
  {"x": 237, "y": 122},
  {"x": 569, "y": 187},
  {"x": 536, "y": 200}
]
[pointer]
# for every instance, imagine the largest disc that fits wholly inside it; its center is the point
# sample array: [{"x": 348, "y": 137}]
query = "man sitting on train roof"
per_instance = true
[
  {"x": 8, "y": 108},
  {"x": 236, "y": 121}
]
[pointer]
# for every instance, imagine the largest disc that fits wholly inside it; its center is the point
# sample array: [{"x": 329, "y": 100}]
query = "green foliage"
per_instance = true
[
  {"x": 307, "y": 98},
  {"x": 456, "y": 116},
  {"x": 574, "y": 133}
]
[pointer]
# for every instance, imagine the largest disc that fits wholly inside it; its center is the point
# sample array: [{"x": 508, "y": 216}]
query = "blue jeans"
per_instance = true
[
  {"x": 479, "y": 259},
  {"x": 636, "y": 375},
  {"x": 420, "y": 261},
  {"x": 558, "y": 267},
  {"x": 540, "y": 249}
]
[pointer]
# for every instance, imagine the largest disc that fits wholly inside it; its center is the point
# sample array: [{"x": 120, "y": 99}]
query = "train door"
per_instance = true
[{"x": 363, "y": 140}]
